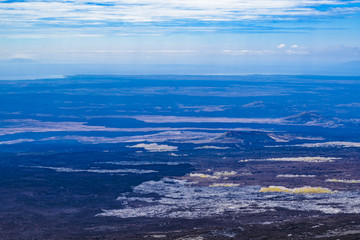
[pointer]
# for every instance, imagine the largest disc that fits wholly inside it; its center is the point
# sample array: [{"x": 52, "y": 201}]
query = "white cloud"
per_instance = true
[
  {"x": 170, "y": 51},
  {"x": 21, "y": 55},
  {"x": 114, "y": 51},
  {"x": 297, "y": 52},
  {"x": 76, "y": 12},
  {"x": 50, "y": 35},
  {"x": 295, "y": 46},
  {"x": 247, "y": 52},
  {"x": 281, "y": 45},
  {"x": 88, "y": 35}
]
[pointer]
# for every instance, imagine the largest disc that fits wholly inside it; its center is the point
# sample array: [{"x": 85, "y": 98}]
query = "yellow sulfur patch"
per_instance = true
[
  {"x": 225, "y": 173},
  {"x": 201, "y": 175},
  {"x": 303, "y": 190}
]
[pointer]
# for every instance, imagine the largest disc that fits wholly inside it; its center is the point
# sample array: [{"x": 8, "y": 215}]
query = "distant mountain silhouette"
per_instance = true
[
  {"x": 313, "y": 119},
  {"x": 19, "y": 61},
  {"x": 245, "y": 137},
  {"x": 351, "y": 64}
]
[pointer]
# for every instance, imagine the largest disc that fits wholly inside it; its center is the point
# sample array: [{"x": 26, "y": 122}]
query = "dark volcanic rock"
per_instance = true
[
  {"x": 313, "y": 119},
  {"x": 245, "y": 138}
]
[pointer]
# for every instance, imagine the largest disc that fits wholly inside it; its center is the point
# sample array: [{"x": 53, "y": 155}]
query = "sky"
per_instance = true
[{"x": 251, "y": 35}]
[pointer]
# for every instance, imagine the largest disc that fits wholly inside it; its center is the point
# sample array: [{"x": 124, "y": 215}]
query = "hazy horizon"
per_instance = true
[
  {"x": 50, "y": 38},
  {"x": 24, "y": 71}
]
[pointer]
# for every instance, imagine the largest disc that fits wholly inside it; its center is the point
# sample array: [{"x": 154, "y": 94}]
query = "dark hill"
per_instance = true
[
  {"x": 245, "y": 138},
  {"x": 313, "y": 119}
]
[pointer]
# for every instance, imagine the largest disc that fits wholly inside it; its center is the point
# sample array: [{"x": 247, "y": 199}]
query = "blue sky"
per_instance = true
[{"x": 208, "y": 32}]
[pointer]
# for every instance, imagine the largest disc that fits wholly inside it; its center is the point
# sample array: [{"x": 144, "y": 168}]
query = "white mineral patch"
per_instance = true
[
  {"x": 255, "y": 104},
  {"x": 224, "y": 185},
  {"x": 71, "y": 170},
  {"x": 182, "y": 119},
  {"x": 153, "y": 147},
  {"x": 21, "y": 140},
  {"x": 204, "y": 108},
  {"x": 216, "y": 175},
  {"x": 225, "y": 173},
  {"x": 277, "y": 138},
  {"x": 288, "y": 137},
  {"x": 192, "y": 238},
  {"x": 180, "y": 199},
  {"x": 167, "y": 136},
  {"x": 211, "y": 147},
  {"x": 32, "y": 125},
  {"x": 294, "y": 176},
  {"x": 330, "y": 144},
  {"x": 158, "y": 236},
  {"x": 343, "y": 180},
  {"x": 294, "y": 159},
  {"x": 338, "y": 233},
  {"x": 139, "y": 163}
]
